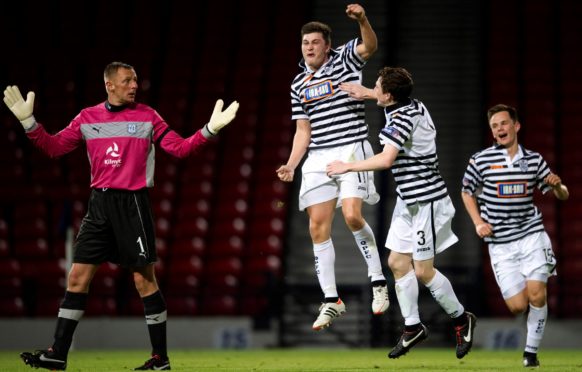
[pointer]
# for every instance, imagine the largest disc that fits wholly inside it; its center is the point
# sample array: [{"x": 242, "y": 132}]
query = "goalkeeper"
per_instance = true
[{"x": 120, "y": 136}]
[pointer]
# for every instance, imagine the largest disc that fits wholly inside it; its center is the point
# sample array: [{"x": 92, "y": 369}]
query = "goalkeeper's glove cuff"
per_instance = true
[
  {"x": 206, "y": 132},
  {"x": 29, "y": 123}
]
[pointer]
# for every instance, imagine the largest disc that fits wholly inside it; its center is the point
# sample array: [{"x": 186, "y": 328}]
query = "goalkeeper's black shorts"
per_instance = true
[{"x": 118, "y": 228}]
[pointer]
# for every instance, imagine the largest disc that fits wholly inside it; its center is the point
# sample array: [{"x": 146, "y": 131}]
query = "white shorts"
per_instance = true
[
  {"x": 514, "y": 263},
  {"x": 423, "y": 229},
  {"x": 317, "y": 187}
]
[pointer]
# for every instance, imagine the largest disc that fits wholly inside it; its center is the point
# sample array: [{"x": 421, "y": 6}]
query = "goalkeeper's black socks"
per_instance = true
[
  {"x": 71, "y": 311},
  {"x": 156, "y": 315}
]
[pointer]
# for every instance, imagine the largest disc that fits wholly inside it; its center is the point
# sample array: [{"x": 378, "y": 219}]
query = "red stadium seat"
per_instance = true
[
  {"x": 227, "y": 246},
  {"x": 182, "y": 305},
  {"x": 187, "y": 247},
  {"x": 187, "y": 266},
  {"x": 11, "y": 287},
  {"x": 183, "y": 284},
  {"x": 221, "y": 283},
  {"x": 219, "y": 305},
  {"x": 12, "y": 307},
  {"x": 9, "y": 268},
  {"x": 217, "y": 266},
  {"x": 98, "y": 305},
  {"x": 31, "y": 248},
  {"x": 264, "y": 245}
]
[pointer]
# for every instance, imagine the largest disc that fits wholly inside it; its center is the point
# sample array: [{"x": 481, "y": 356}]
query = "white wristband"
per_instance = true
[{"x": 28, "y": 123}]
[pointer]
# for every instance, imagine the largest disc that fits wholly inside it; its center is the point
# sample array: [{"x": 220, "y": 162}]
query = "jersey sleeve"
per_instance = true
[
  {"x": 350, "y": 57},
  {"x": 472, "y": 179},
  {"x": 543, "y": 172},
  {"x": 297, "y": 111},
  {"x": 58, "y": 144},
  {"x": 397, "y": 132}
]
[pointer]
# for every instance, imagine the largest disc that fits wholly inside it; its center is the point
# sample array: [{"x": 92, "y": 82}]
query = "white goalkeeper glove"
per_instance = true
[
  {"x": 20, "y": 108},
  {"x": 219, "y": 118}
]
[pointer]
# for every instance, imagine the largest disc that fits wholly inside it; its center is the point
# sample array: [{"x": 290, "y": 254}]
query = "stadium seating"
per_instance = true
[{"x": 532, "y": 61}]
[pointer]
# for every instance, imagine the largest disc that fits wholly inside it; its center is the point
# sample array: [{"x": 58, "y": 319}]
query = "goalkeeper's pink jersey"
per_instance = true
[{"x": 120, "y": 143}]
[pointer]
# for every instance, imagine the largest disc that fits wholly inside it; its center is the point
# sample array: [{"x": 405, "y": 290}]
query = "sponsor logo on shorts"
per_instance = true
[{"x": 423, "y": 249}]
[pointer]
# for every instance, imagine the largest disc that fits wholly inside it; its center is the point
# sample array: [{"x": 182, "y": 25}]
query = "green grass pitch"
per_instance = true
[{"x": 318, "y": 360}]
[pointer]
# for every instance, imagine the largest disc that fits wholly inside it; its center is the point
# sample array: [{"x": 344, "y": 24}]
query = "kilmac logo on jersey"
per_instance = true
[
  {"x": 511, "y": 189},
  {"x": 113, "y": 151},
  {"x": 318, "y": 91}
]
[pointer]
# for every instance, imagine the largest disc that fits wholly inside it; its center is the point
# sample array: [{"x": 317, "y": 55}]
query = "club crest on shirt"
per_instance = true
[
  {"x": 512, "y": 189},
  {"x": 131, "y": 128},
  {"x": 318, "y": 91}
]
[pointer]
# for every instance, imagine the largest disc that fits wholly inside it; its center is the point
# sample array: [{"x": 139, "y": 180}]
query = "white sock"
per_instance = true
[
  {"x": 324, "y": 267},
  {"x": 441, "y": 289},
  {"x": 407, "y": 294},
  {"x": 536, "y": 323},
  {"x": 367, "y": 246}
]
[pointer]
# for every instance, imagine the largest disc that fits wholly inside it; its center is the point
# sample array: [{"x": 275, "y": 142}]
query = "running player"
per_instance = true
[{"x": 498, "y": 188}]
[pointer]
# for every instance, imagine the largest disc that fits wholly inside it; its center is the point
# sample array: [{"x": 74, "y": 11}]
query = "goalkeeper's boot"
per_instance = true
[
  {"x": 328, "y": 311},
  {"x": 380, "y": 300},
  {"x": 155, "y": 363},
  {"x": 464, "y": 335},
  {"x": 408, "y": 339},
  {"x": 530, "y": 360},
  {"x": 44, "y": 359}
]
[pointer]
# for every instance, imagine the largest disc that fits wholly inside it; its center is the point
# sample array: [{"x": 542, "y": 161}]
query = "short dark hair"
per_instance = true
[
  {"x": 111, "y": 69},
  {"x": 500, "y": 108},
  {"x": 322, "y": 28},
  {"x": 396, "y": 81}
]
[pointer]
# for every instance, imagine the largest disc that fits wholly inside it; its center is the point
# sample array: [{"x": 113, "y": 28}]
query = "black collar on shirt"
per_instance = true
[
  {"x": 398, "y": 105},
  {"x": 113, "y": 108}
]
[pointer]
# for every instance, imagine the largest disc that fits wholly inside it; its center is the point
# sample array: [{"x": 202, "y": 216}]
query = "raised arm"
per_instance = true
[
  {"x": 370, "y": 41},
  {"x": 20, "y": 108}
]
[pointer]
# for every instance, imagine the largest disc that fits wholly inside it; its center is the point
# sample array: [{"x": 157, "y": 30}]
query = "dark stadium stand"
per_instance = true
[
  {"x": 532, "y": 53},
  {"x": 221, "y": 215}
]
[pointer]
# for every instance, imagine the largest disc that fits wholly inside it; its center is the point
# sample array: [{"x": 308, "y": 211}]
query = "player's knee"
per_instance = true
[
  {"x": 424, "y": 274},
  {"x": 144, "y": 285},
  {"x": 77, "y": 282},
  {"x": 319, "y": 231},
  {"x": 398, "y": 266},
  {"x": 354, "y": 220},
  {"x": 517, "y": 308},
  {"x": 538, "y": 298}
]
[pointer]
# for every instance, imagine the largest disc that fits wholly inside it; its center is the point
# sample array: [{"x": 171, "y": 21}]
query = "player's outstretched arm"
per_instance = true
[
  {"x": 370, "y": 41},
  {"x": 219, "y": 118},
  {"x": 20, "y": 108},
  {"x": 358, "y": 91}
]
